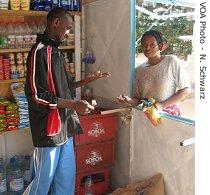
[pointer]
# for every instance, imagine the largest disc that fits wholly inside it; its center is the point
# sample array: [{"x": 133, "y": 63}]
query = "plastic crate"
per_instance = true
[
  {"x": 100, "y": 180},
  {"x": 97, "y": 128},
  {"x": 94, "y": 156}
]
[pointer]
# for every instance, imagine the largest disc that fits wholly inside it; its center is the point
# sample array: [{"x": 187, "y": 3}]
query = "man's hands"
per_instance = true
[
  {"x": 91, "y": 77},
  {"x": 97, "y": 75},
  {"x": 82, "y": 107}
]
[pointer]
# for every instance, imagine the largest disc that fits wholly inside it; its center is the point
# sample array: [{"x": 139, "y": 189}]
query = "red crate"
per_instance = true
[
  {"x": 100, "y": 180},
  {"x": 94, "y": 156},
  {"x": 97, "y": 128}
]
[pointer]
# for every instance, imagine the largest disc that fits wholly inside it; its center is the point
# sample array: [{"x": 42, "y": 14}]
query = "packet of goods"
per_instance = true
[
  {"x": 25, "y": 4},
  {"x": 15, "y": 4},
  {"x": 153, "y": 115}
]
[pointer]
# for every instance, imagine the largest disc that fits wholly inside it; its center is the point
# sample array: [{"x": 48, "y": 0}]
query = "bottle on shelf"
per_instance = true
[
  {"x": 27, "y": 35},
  {"x": 3, "y": 182},
  {"x": 19, "y": 32},
  {"x": 40, "y": 27},
  {"x": 10, "y": 35},
  {"x": 89, "y": 186},
  {"x": 3, "y": 36},
  {"x": 26, "y": 170},
  {"x": 15, "y": 177},
  {"x": 34, "y": 31}
]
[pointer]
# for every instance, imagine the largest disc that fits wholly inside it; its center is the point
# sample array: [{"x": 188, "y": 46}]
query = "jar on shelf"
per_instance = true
[
  {"x": 19, "y": 58},
  {"x": 6, "y": 63},
  {"x": 11, "y": 57},
  {"x": 25, "y": 55},
  {"x": 20, "y": 70},
  {"x": 13, "y": 72}
]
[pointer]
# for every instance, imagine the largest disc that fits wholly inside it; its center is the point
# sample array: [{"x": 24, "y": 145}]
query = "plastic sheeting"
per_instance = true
[{"x": 107, "y": 32}]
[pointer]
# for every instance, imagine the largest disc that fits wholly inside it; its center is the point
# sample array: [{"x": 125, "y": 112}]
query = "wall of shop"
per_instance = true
[
  {"x": 157, "y": 149},
  {"x": 107, "y": 32},
  {"x": 142, "y": 150}
]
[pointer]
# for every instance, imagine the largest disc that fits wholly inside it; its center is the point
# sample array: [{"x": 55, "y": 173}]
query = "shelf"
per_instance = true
[
  {"x": 15, "y": 50},
  {"x": 21, "y": 80},
  {"x": 67, "y": 47},
  {"x": 12, "y": 81},
  {"x": 19, "y": 130},
  {"x": 30, "y": 13}
]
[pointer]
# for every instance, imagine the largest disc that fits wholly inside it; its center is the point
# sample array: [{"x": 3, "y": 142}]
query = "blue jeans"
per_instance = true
[{"x": 54, "y": 169}]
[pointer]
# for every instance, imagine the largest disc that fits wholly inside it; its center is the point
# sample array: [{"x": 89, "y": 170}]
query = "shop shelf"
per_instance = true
[
  {"x": 15, "y": 50},
  {"x": 30, "y": 13},
  {"x": 19, "y": 130},
  {"x": 12, "y": 81}
]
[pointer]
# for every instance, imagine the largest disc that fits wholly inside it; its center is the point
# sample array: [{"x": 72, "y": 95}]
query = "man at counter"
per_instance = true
[{"x": 53, "y": 110}]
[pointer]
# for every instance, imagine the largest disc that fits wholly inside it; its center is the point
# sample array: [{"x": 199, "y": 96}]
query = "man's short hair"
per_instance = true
[{"x": 57, "y": 12}]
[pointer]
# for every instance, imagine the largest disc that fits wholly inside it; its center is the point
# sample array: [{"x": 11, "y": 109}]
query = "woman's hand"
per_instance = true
[
  {"x": 159, "y": 106},
  {"x": 124, "y": 99}
]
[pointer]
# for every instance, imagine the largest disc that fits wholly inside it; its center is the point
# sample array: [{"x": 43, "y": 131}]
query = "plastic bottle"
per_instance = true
[
  {"x": 34, "y": 32},
  {"x": 26, "y": 170},
  {"x": 40, "y": 27},
  {"x": 15, "y": 178},
  {"x": 3, "y": 182},
  {"x": 19, "y": 31},
  {"x": 3, "y": 36},
  {"x": 10, "y": 35},
  {"x": 89, "y": 186},
  {"x": 26, "y": 36}
]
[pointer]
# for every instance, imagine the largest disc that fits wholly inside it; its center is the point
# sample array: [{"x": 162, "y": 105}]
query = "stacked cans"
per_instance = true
[
  {"x": 1, "y": 68},
  {"x": 4, "y": 68}
]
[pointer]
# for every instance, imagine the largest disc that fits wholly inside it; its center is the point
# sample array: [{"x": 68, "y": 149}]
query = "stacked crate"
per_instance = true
[{"x": 95, "y": 151}]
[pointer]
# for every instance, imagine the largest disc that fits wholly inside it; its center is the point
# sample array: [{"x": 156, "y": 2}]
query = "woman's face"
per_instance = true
[{"x": 150, "y": 47}]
